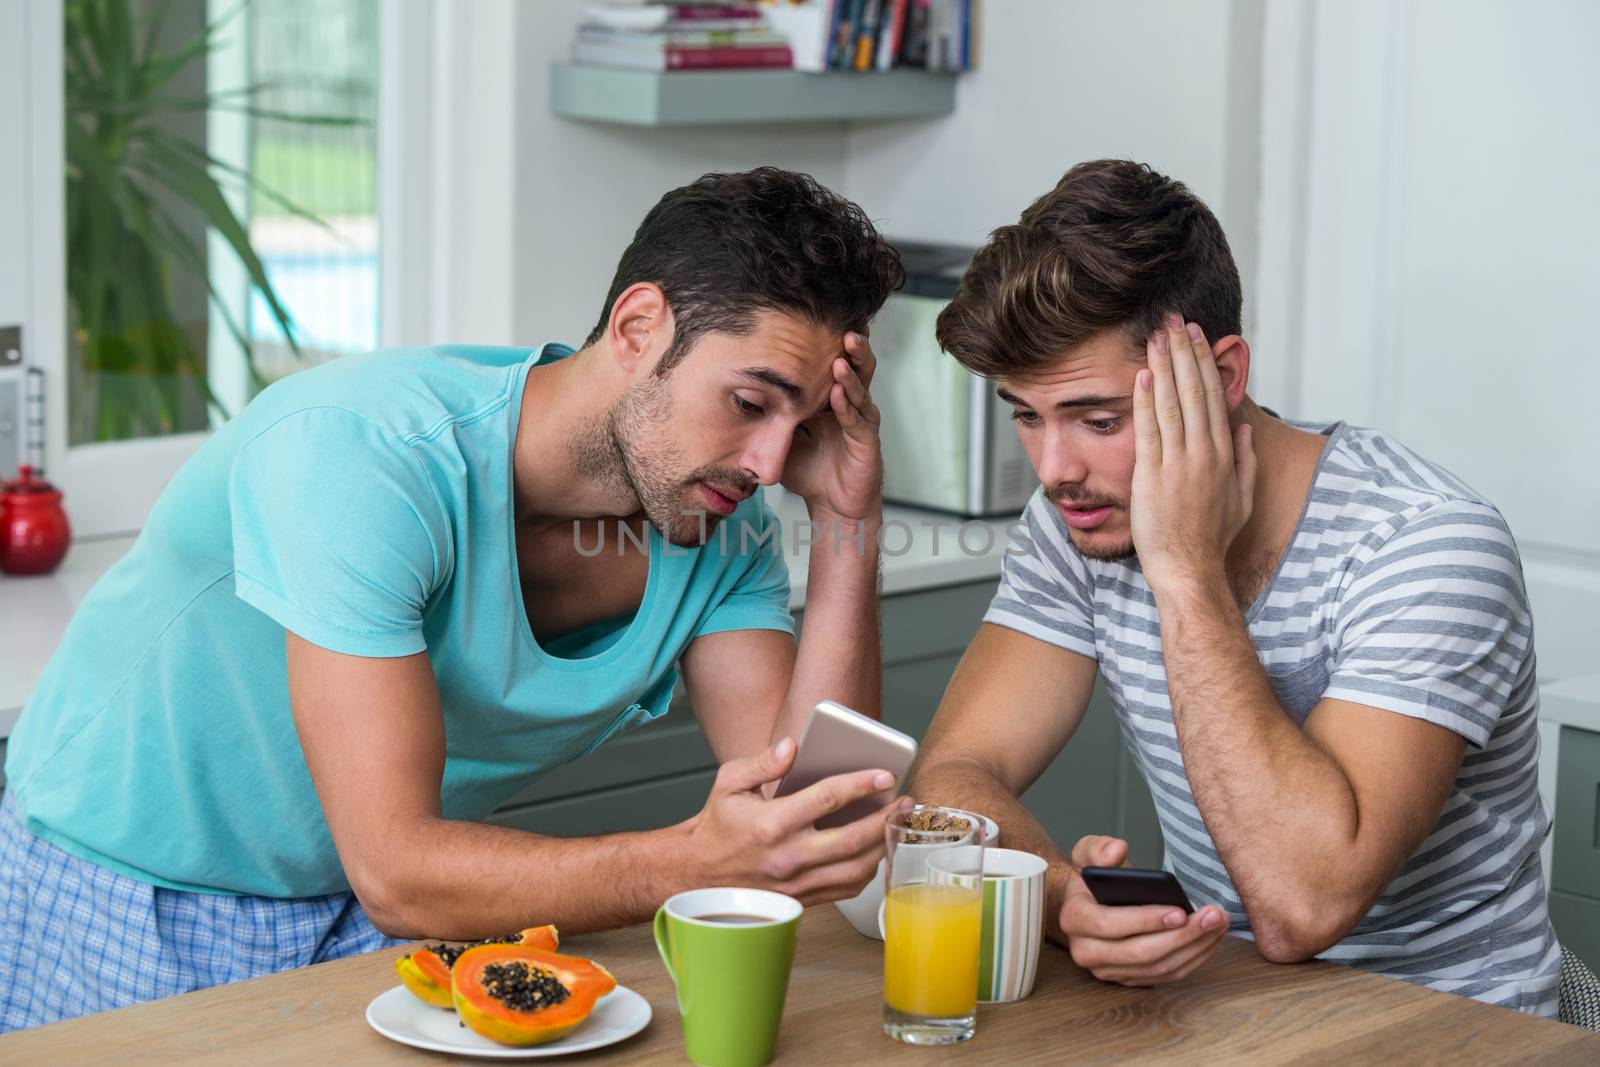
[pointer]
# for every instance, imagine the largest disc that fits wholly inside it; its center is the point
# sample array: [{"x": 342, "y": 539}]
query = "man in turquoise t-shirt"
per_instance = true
[{"x": 371, "y": 609}]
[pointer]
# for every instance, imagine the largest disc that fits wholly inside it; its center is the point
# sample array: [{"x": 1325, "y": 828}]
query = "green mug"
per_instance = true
[{"x": 729, "y": 952}]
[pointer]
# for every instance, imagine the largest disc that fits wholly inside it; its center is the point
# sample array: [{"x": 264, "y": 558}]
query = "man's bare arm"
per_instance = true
[
  {"x": 373, "y": 737},
  {"x": 1011, "y": 707},
  {"x": 750, "y": 688},
  {"x": 1312, "y": 823}
]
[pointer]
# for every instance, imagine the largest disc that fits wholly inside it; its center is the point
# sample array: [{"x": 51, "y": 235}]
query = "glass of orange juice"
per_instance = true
[{"x": 931, "y": 920}]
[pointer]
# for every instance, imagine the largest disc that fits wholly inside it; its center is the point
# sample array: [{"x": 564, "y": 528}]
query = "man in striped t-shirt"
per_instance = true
[{"x": 1318, "y": 643}]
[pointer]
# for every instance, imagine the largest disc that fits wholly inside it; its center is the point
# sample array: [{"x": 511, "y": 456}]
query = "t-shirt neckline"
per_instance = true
[
  {"x": 549, "y": 352},
  {"x": 1333, "y": 432}
]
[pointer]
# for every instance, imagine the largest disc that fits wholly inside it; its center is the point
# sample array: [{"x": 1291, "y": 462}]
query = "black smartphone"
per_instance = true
[{"x": 1119, "y": 886}]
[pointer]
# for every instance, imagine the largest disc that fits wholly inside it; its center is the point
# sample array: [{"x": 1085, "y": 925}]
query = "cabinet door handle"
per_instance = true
[{"x": 1595, "y": 811}]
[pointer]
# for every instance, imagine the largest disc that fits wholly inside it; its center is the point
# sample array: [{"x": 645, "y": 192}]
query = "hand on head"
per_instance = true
[
  {"x": 836, "y": 463},
  {"x": 1194, "y": 472}
]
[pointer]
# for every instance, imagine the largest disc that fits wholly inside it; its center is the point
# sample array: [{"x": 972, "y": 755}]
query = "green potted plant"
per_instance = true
[{"x": 129, "y": 180}]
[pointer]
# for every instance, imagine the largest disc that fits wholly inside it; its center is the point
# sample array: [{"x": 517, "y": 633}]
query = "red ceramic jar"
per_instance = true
[{"x": 34, "y": 533}]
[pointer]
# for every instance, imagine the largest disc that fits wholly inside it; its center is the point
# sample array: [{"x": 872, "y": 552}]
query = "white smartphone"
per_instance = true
[{"x": 840, "y": 741}]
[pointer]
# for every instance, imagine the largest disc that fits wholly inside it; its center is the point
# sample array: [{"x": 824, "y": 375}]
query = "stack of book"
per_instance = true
[
  {"x": 679, "y": 36},
  {"x": 868, "y": 35},
  {"x": 884, "y": 34}
]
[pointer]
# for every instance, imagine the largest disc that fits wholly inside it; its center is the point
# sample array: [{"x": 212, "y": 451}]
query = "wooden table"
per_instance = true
[{"x": 1238, "y": 1009}]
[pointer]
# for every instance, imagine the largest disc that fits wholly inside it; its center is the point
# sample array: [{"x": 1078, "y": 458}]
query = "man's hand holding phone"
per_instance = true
[
  {"x": 1134, "y": 945},
  {"x": 743, "y": 837}
]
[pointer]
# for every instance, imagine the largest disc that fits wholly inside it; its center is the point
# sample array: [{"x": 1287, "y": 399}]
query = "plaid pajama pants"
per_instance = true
[{"x": 76, "y": 937}]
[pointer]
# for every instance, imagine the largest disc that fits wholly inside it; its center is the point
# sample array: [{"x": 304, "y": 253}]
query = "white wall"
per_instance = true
[
  {"x": 477, "y": 165},
  {"x": 582, "y": 188},
  {"x": 1430, "y": 202},
  {"x": 1172, "y": 83},
  {"x": 14, "y": 252},
  {"x": 1058, "y": 82}
]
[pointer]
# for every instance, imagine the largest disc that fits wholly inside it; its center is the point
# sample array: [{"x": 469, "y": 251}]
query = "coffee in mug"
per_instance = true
[{"x": 729, "y": 951}]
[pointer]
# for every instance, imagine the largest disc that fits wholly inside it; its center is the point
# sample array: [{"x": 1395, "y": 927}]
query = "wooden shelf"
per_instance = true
[{"x": 695, "y": 98}]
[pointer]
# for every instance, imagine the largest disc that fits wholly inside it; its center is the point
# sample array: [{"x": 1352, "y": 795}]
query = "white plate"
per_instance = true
[{"x": 401, "y": 1017}]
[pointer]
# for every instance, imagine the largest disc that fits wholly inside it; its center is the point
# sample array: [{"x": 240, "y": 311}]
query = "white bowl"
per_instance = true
[{"x": 862, "y": 909}]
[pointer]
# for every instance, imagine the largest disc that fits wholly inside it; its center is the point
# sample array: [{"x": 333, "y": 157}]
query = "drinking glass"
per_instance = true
[{"x": 932, "y": 917}]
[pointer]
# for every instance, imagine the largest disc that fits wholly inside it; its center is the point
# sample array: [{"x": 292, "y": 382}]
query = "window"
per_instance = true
[{"x": 221, "y": 168}]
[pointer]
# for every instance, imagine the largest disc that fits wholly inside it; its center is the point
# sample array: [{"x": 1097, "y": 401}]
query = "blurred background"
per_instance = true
[{"x": 198, "y": 197}]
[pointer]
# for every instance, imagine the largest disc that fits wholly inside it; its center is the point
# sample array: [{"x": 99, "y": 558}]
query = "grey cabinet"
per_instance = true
[
  {"x": 642, "y": 805},
  {"x": 660, "y": 774},
  {"x": 1575, "y": 877},
  {"x": 1576, "y": 919}
]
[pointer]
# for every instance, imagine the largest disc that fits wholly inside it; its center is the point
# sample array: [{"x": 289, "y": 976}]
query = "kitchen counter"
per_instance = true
[
  {"x": 1572, "y": 702},
  {"x": 34, "y": 612},
  {"x": 922, "y": 550}
]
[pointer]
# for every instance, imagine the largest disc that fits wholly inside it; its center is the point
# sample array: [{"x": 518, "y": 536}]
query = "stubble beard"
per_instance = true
[
  {"x": 627, "y": 453},
  {"x": 1112, "y": 553},
  {"x": 1084, "y": 541}
]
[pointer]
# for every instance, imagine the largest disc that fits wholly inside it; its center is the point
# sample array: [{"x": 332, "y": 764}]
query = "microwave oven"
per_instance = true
[{"x": 948, "y": 441}]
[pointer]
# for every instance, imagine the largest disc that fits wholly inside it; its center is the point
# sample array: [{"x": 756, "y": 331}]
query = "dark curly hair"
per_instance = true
[
  {"x": 1113, "y": 245},
  {"x": 728, "y": 245}
]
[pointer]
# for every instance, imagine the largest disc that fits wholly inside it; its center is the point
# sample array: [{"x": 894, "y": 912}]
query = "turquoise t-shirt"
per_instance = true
[{"x": 366, "y": 505}]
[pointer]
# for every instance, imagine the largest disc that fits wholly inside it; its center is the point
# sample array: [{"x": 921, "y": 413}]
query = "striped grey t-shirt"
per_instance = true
[{"x": 1402, "y": 590}]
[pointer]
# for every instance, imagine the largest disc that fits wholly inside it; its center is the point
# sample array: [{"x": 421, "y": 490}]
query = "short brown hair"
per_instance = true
[{"x": 1114, "y": 245}]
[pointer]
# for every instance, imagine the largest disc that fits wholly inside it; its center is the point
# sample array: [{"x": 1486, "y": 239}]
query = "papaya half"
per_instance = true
[
  {"x": 426, "y": 971},
  {"x": 518, "y": 995}
]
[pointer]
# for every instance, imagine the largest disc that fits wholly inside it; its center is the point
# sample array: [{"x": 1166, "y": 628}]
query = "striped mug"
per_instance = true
[{"x": 1013, "y": 924}]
